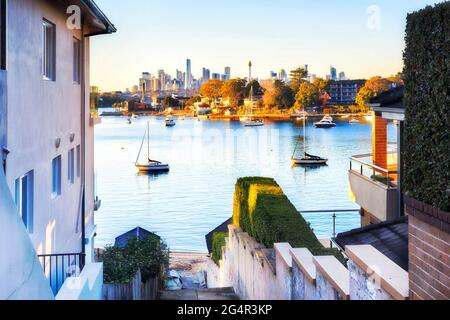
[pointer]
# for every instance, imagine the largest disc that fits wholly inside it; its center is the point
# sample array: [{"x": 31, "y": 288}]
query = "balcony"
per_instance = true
[{"x": 375, "y": 188}]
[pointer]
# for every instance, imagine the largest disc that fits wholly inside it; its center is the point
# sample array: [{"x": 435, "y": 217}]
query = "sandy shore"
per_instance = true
[{"x": 192, "y": 262}]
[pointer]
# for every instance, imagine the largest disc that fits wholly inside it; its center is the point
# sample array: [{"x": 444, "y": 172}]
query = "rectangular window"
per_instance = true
[
  {"x": 48, "y": 51},
  {"x": 24, "y": 199},
  {"x": 71, "y": 166},
  {"x": 56, "y": 177},
  {"x": 76, "y": 61},
  {"x": 78, "y": 161},
  {"x": 3, "y": 34}
]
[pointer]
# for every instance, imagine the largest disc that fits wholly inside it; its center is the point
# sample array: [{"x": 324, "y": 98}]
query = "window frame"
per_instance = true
[
  {"x": 56, "y": 177},
  {"x": 76, "y": 74},
  {"x": 71, "y": 166},
  {"x": 24, "y": 199},
  {"x": 78, "y": 156},
  {"x": 3, "y": 42},
  {"x": 48, "y": 54}
]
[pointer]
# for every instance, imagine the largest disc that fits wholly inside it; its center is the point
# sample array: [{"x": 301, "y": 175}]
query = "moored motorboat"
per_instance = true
[
  {"x": 169, "y": 122},
  {"x": 254, "y": 123},
  {"x": 326, "y": 122},
  {"x": 354, "y": 121}
]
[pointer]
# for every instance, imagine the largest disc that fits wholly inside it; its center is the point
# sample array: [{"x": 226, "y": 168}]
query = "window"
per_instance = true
[
  {"x": 71, "y": 166},
  {"x": 48, "y": 50},
  {"x": 24, "y": 199},
  {"x": 2, "y": 34},
  {"x": 78, "y": 161},
  {"x": 76, "y": 61},
  {"x": 56, "y": 177}
]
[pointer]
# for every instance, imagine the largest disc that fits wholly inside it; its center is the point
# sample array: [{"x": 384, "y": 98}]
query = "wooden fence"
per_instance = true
[{"x": 134, "y": 290}]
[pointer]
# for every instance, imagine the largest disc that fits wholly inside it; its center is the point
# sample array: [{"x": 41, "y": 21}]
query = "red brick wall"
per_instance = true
[
  {"x": 379, "y": 141},
  {"x": 429, "y": 252}
]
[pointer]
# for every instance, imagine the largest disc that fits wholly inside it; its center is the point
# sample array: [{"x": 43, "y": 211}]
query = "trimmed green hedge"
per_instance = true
[
  {"x": 426, "y": 152},
  {"x": 218, "y": 242},
  {"x": 265, "y": 213}
]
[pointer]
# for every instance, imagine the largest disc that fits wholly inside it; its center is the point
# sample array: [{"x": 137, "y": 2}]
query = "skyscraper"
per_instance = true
[
  {"x": 227, "y": 73},
  {"x": 282, "y": 75},
  {"x": 188, "y": 84},
  {"x": 342, "y": 76},
  {"x": 206, "y": 75},
  {"x": 333, "y": 73}
]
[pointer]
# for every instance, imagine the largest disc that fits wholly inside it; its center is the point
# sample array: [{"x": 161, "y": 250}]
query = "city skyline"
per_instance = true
[{"x": 366, "y": 38}]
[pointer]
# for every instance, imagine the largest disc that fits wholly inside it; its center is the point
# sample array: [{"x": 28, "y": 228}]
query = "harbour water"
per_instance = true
[{"x": 206, "y": 159}]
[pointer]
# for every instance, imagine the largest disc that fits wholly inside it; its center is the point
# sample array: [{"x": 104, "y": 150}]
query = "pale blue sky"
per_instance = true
[{"x": 274, "y": 34}]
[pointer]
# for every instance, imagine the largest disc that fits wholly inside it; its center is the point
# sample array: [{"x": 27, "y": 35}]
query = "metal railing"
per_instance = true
[
  {"x": 374, "y": 172},
  {"x": 334, "y": 215},
  {"x": 59, "y": 267}
]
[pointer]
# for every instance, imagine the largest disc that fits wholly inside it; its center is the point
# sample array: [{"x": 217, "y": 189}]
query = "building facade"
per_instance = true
[
  {"x": 345, "y": 92},
  {"x": 47, "y": 129}
]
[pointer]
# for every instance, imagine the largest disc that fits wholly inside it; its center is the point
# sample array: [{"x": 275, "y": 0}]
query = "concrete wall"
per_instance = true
[
  {"x": 286, "y": 273},
  {"x": 3, "y": 111},
  {"x": 88, "y": 286},
  {"x": 21, "y": 274},
  {"x": 41, "y": 111},
  {"x": 374, "y": 197}
]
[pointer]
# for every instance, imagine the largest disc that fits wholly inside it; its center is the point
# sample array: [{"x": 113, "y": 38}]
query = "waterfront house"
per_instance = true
[
  {"x": 375, "y": 179},
  {"x": 47, "y": 149}
]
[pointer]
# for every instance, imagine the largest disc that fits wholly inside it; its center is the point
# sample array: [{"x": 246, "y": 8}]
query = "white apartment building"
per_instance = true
[{"x": 47, "y": 199}]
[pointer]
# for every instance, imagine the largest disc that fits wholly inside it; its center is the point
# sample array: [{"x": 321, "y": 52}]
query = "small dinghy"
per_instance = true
[
  {"x": 149, "y": 166},
  {"x": 354, "y": 121},
  {"x": 254, "y": 123}
]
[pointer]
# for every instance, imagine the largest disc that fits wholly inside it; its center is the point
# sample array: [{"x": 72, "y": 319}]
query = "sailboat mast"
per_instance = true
[
  {"x": 304, "y": 130},
  {"x": 148, "y": 141}
]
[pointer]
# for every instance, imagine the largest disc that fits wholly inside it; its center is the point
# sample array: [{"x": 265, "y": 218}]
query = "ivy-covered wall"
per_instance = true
[{"x": 426, "y": 152}]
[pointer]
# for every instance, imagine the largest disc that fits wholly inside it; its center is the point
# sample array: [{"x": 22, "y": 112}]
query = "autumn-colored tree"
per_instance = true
[
  {"x": 192, "y": 100},
  {"x": 372, "y": 88},
  {"x": 322, "y": 85},
  {"x": 306, "y": 96},
  {"x": 279, "y": 95},
  {"x": 234, "y": 90},
  {"x": 212, "y": 89},
  {"x": 397, "y": 79},
  {"x": 297, "y": 77}
]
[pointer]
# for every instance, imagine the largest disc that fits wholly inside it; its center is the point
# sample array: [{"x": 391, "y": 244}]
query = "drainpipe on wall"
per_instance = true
[{"x": 83, "y": 140}]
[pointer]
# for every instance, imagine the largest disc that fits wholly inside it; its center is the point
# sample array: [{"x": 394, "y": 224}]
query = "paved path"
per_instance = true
[{"x": 220, "y": 294}]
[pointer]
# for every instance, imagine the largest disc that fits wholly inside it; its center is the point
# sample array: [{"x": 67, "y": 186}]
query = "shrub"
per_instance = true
[
  {"x": 426, "y": 152},
  {"x": 265, "y": 213},
  {"x": 147, "y": 255},
  {"x": 218, "y": 242}
]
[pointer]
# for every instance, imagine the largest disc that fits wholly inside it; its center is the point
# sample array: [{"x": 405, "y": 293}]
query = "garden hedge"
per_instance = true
[
  {"x": 263, "y": 211},
  {"x": 218, "y": 242},
  {"x": 426, "y": 152}
]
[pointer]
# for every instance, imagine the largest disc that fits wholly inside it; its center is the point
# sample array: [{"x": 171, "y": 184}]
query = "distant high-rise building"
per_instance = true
[
  {"x": 188, "y": 84},
  {"x": 206, "y": 75},
  {"x": 227, "y": 73},
  {"x": 342, "y": 76},
  {"x": 333, "y": 73},
  {"x": 179, "y": 75},
  {"x": 312, "y": 77},
  {"x": 134, "y": 89},
  {"x": 273, "y": 75},
  {"x": 282, "y": 75},
  {"x": 216, "y": 76}
]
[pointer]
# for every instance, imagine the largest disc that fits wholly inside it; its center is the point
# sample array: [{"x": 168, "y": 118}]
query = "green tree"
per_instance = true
[
  {"x": 234, "y": 90},
  {"x": 297, "y": 77},
  {"x": 285, "y": 97},
  {"x": 307, "y": 95},
  {"x": 170, "y": 102},
  {"x": 257, "y": 89},
  {"x": 191, "y": 101}
]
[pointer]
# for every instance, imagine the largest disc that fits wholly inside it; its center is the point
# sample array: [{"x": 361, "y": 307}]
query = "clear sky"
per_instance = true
[{"x": 364, "y": 38}]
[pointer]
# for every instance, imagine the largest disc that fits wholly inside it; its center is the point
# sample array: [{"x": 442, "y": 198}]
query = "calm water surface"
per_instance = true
[{"x": 206, "y": 159}]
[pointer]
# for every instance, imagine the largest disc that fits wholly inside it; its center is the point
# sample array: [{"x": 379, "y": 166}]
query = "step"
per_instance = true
[{"x": 217, "y": 294}]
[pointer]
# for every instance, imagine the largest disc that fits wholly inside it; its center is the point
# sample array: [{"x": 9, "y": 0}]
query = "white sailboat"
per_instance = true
[
  {"x": 149, "y": 165},
  {"x": 307, "y": 159},
  {"x": 249, "y": 119}
]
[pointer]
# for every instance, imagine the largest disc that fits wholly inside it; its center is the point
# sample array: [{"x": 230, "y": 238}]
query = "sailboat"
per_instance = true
[
  {"x": 250, "y": 120},
  {"x": 307, "y": 159},
  {"x": 149, "y": 165}
]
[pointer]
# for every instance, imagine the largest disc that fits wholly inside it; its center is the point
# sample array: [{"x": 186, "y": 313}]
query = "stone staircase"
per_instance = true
[{"x": 218, "y": 294}]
